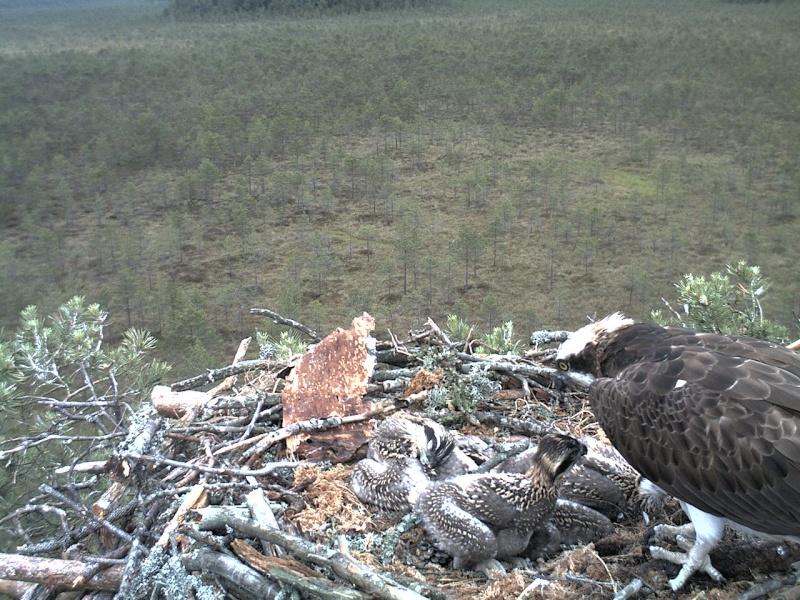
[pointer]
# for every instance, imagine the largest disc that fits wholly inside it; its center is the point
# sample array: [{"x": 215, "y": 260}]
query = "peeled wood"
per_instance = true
[
  {"x": 240, "y": 575},
  {"x": 294, "y": 573},
  {"x": 175, "y": 405},
  {"x": 229, "y": 381},
  {"x": 196, "y": 498},
  {"x": 64, "y": 574}
]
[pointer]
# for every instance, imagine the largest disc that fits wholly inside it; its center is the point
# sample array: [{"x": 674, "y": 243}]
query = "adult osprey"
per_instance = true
[{"x": 711, "y": 419}]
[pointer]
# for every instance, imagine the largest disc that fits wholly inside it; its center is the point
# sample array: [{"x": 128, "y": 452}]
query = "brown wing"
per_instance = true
[{"x": 719, "y": 432}]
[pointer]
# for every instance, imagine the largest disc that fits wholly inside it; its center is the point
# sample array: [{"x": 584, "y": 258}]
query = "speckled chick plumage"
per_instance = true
[
  {"x": 404, "y": 453},
  {"x": 391, "y": 486},
  {"x": 478, "y": 517},
  {"x": 436, "y": 446},
  {"x": 601, "y": 480}
]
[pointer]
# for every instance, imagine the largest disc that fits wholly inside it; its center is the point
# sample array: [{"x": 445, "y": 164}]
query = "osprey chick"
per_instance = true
[
  {"x": 403, "y": 454},
  {"x": 479, "y": 517},
  {"x": 710, "y": 419}
]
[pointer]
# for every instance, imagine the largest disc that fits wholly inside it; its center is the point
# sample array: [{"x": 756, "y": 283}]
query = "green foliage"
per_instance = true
[
  {"x": 454, "y": 401},
  {"x": 457, "y": 328},
  {"x": 500, "y": 340},
  {"x": 66, "y": 394},
  {"x": 56, "y": 354},
  {"x": 728, "y": 303},
  {"x": 564, "y": 161},
  {"x": 287, "y": 345}
]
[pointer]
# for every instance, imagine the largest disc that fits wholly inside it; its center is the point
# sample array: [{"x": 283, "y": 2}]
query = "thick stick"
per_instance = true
[{"x": 52, "y": 572}]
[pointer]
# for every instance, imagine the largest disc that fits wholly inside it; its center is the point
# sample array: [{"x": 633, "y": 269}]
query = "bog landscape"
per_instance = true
[{"x": 449, "y": 176}]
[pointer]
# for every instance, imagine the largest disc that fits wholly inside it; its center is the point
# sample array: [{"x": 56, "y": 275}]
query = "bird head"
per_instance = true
[
  {"x": 556, "y": 454},
  {"x": 579, "y": 353},
  {"x": 438, "y": 443}
]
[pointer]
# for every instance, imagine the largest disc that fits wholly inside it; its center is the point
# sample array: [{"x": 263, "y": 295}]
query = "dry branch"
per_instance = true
[
  {"x": 539, "y": 338},
  {"x": 296, "y": 574},
  {"x": 344, "y": 566},
  {"x": 227, "y": 567},
  {"x": 288, "y": 322},
  {"x": 57, "y": 573},
  {"x": 229, "y": 381},
  {"x": 214, "y": 375}
]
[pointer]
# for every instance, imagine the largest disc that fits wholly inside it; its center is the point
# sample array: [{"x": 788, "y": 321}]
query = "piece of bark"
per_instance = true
[
  {"x": 330, "y": 380},
  {"x": 424, "y": 380},
  {"x": 57, "y": 573}
]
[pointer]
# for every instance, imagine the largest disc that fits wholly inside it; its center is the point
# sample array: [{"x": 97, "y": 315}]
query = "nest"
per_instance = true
[{"x": 215, "y": 494}]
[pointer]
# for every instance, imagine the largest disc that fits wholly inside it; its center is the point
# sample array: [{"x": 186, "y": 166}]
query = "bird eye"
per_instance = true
[{"x": 563, "y": 365}]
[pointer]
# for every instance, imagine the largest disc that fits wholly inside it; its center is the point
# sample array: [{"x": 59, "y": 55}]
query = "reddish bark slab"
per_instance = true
[{"x": 331, "y": 380}]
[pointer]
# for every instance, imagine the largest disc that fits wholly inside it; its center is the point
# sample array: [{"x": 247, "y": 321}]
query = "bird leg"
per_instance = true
[{"x": 695, "y": 556}]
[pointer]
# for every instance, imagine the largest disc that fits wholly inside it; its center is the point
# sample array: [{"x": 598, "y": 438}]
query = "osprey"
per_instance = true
[
  {"x": 710, "y": 419},
  {"x": 480, "y": 517}
]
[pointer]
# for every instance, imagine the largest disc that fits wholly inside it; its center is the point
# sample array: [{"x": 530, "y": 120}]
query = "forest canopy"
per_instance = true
[
  {"x": 529, "y": 161},
  {"x": 184, "y": 8}
]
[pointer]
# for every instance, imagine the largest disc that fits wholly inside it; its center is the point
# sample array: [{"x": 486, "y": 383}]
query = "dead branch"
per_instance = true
[
  {"x": 197, "y": 497},
  {"x": 391, "y": 374},
  {"x": 763, "y": 589},
  {"x": 265, "y": 470},
  {"x": 214, "y": 375},
  {"x": 85, "y": 512},
  {"x": 294, "y": 573},
  {"x": 312, "y": 425},
  {"x": 523, "y": 426},
  {"x": 549, "y": 374},
  {"x": 263, "y": 515},
  {"x": 229, "y": 381},
  {"x": 57, "y": 573},
  {"x": 345, "y": 567},
  {"x": 227, "y": 567},
  {"x": 276, "y": 318}
]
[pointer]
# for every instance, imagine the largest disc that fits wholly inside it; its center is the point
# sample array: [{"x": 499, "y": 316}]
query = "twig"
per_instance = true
[
  {"x": 526, "y": 427},
  {"x": 769, "y": 586},
  {"x": 85, "y": 512},
  {"x": 629, "y": 590},
  {"x": 265, "y": 470},
  {"x": 276, "y": 318},
  {"x": 346, "y": 568},
  {"x": 214, "y": 375}
]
